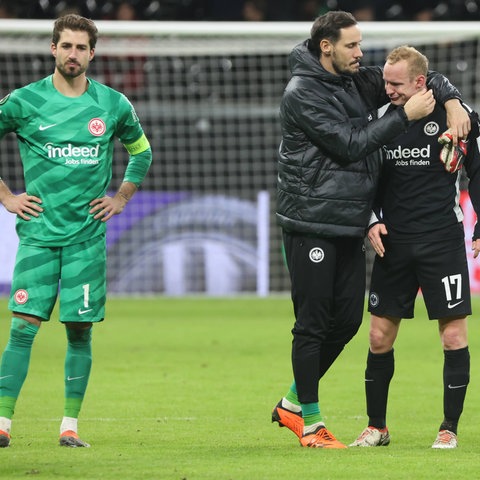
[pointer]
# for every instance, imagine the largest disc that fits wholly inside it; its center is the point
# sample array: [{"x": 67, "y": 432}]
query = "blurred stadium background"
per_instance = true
[
  {"x": 238, "y": 10},
  {"x": 207, "y": 93}
]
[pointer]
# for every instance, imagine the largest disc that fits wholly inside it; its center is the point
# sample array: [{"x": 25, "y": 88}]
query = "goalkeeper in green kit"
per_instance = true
[{"x": 66, "y": 125}]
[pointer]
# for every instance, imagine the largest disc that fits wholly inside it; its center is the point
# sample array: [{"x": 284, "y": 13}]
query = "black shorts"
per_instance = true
[{"x": 438, "y": 267}]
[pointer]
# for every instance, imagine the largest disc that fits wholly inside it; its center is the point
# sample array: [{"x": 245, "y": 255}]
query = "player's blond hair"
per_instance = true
[{"x": 416, "y": 61}]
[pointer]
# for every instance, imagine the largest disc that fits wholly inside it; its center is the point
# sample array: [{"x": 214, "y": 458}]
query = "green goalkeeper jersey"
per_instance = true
[{"x": 66, "y": 146}]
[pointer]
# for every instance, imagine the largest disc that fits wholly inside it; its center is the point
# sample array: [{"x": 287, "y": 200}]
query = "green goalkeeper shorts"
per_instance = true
[{"x": 75, "y": 273}]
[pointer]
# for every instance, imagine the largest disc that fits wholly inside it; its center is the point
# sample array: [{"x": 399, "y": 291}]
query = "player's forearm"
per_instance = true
[
  {"x": 126, "y": 191},
  {"x": 442, "y": 88},
  {"x": 5, "y": 192},
  {"x": 458, "y": 119},
  {"x": 138, "y": 166}
]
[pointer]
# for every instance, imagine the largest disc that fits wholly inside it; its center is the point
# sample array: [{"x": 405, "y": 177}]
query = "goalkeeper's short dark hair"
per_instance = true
[{"x": 76, "y": 23}]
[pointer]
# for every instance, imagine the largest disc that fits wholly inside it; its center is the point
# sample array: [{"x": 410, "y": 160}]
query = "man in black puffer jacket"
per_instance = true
[{"x": 329, "y": 164}]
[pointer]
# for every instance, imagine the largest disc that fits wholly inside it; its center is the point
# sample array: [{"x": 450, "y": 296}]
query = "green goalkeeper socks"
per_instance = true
[
  {"x": 291, "y": 396},
  {"x": 310, "y": 411},
  {"x": 15, "y": 362},
  {"x": 78, "y": 363},
  {"x": 311, "y": 414}
]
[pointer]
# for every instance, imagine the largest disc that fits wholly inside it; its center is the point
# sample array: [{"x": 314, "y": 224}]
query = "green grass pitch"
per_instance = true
[{"x": 183, "y": 388}]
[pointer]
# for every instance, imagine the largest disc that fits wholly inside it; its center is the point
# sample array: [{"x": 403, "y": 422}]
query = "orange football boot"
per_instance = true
[
  {"x": 4, "y": 439},
  {"x": 286, "y": 418},
  {"x": 321, "y": 438},
  {"x": 69, "y": 438}
]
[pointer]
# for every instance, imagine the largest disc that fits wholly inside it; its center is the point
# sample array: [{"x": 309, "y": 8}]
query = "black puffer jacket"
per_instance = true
[{"x": 330, "y": 155}]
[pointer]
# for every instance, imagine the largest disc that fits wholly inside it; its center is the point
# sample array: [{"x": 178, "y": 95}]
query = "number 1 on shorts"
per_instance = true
[{"x": 86, "y": 291}]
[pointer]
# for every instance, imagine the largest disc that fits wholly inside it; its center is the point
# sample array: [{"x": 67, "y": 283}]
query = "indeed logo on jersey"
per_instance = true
[
  {"x": 409, "y": 156},
  {"x": 74, "y": 155}
]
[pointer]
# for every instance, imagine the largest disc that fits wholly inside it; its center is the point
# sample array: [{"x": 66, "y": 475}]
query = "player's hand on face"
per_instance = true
[
  {"x": 420, "y": 105},
  {"x": 106, "y": 207},
  {"x": 375, "y": 236},
  {"x": 23, "y": 205}
]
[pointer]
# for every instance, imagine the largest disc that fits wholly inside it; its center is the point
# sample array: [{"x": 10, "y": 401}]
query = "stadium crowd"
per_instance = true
[{"x": 244, "y": 10}]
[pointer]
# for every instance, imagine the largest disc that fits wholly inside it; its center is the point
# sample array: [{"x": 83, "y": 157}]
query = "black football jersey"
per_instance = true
[{"x": 416, "y": 195}]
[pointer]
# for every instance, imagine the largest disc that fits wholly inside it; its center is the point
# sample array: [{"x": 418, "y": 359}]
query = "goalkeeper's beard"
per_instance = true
[{"x": 71, "y": 71}]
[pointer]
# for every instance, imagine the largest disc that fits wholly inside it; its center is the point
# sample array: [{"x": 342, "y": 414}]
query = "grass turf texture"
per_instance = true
[{"x": 183, "y": 389}]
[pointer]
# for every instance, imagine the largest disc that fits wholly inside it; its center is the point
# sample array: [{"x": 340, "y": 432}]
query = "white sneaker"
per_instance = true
[
  {"x": 372, "y": 437},
  {"x": 445, "y": 439}
]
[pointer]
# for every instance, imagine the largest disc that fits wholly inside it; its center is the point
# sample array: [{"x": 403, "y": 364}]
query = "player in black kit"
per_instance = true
[{"x": 417, "y": 233}]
